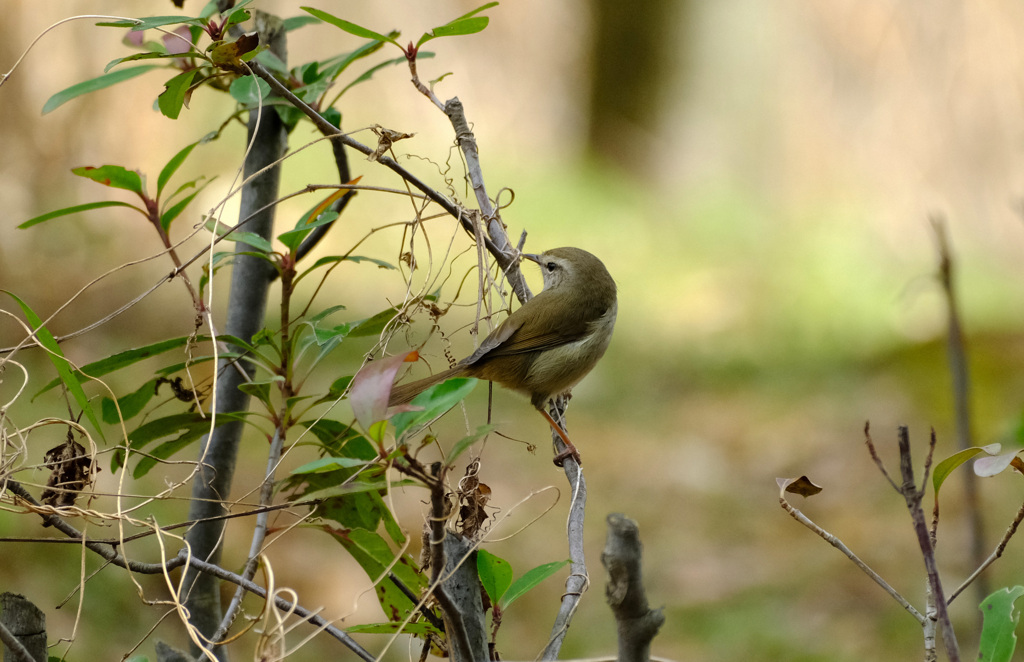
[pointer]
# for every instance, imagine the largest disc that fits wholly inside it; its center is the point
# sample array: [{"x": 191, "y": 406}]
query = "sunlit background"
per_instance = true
[{"x": 760, "y": 179}]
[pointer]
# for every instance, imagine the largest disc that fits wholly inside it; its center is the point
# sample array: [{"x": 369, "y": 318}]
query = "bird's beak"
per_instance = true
[{"x": 532, "y": 257}]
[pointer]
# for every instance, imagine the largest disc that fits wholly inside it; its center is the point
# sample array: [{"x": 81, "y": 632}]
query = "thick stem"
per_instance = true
[
  {"x": 637, "y": 623},
  {"x": 250, "y": 281}
]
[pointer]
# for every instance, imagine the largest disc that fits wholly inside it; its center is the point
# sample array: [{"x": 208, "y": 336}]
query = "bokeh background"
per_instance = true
[{"x": 758, "y": 177}]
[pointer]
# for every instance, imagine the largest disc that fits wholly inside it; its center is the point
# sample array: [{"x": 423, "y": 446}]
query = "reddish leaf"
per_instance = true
[{"x": 371, "y": 388}]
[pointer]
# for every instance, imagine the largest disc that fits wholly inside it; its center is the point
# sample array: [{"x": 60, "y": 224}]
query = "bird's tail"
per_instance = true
[{"x": 403, "y": 393}]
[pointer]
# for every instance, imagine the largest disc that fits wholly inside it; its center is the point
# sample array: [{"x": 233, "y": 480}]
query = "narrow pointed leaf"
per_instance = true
[
  {"x": 172, "y": 167},
  {"x": 151, "y": 22},
  {"x": 126, "y": 358},
  {"x": 63, "y": 367},
  {"x": 477, "y": 11},
  {"x": 462, "y": 444},
  {"x": 145, "y": 56},
  {"x": 94, "y": 84},
  {"x": 372, "y": 326},
  {"x": 455, "y": 28},
  {"x": 76, "y": 209},
  {"x": 348, "y": 27},
  {"x": 532, "y": 577},
  {"x": 292, "y": 238},
  {"x": 128, "y": 406}
]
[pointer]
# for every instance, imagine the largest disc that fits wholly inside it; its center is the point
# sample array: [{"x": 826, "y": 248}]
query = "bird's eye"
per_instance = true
[{"x": 551, "y": 266}]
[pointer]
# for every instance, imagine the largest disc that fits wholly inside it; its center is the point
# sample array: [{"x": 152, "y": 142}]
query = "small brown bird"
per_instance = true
[{"x": 550, "y": 343}]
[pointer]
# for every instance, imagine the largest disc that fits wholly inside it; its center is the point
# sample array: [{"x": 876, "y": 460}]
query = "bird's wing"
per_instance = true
[{"x": 511, "y": 338}]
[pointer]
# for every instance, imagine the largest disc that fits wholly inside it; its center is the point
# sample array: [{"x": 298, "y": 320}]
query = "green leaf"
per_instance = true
[
  {"x": 340, "y": 439},
  {"x": 455, "y": 28},
  {"x": 495, "y": 574},
  {"x": 334, "y": 259},
  {"x": 420, "y": 628},
  {"x": 461, "y": 445},
  {"x": 327, "y": 312},
  {"x": 333, "y": 67},
  {"x": 376, "y": 431},
  {"x": 329, "y": 464},
  {"x": 152, "y": 22},
  {"x": 249, "y": 90},
  {"x": 374, "y": 555},
  {"x": 292, "y": 238},
  {"x": 357, "y": 487},
  {"x": 172, "y": 167},
  {"x": 184, "y": 428},
  {"x": 237, "y": 16},
  {"x": 331, "y": 259},
  {"x": 338, "y": 387},
  {"x": 175, "y": 210},
  {"x": 94, "y": 84},
  {"x": 254, "y": 240},
  {"x": 946, "y": 467},
  {"x": 146, "y": 56},
  {"x": 532, "y": 577},
  {"x": 114, "y": 176},
  {"x": 368, "y": 74},
  {"x": 129, "y": 405},
  {"x": 76, "y": 209},
  {"x": 261, "y": 389},
  {"x": 296, "y": 22},
  {"x": 435, "y": 401},
  {"x": 998, "y": 639},
  {"x": 62, "y": 365},
  {"x": 126, "y": 358},
  {"x": 350, "y": 28},
  {"x": 172, "y": 98},
  {"x": 477, "y": 11},
  {"x": 334, "y": 334},
  {"x": 372, "y": 326}
]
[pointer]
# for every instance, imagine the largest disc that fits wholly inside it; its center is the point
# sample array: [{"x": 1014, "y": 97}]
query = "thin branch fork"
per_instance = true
[{"x": 913, "y": 497}]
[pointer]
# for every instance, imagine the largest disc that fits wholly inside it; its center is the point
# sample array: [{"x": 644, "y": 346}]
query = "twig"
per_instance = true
[
  {"x": 184, "y": 558},
  {"x": 838, "y": 544},
  {"x": 328, "y": 129},
  {"x": 14, "y": 647},
  {"x": 258, "y": 536},
  {"x": 996, "y": 553},
  {"x": 913, "y": 497}
]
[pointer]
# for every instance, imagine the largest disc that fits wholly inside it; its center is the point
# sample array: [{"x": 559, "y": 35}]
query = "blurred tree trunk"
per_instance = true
[
  {"x": 251, "y": 277},
  {"x": 631, "y": 52}
]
